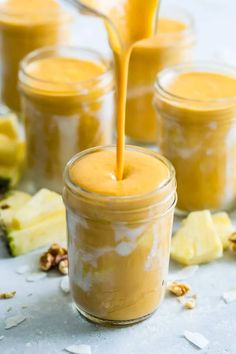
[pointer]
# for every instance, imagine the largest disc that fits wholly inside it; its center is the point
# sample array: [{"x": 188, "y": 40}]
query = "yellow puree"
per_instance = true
[
  {"x": 200, "y": 143},
  {"x": 171, "y": 45},
  {"x": 26, "y": 25}
]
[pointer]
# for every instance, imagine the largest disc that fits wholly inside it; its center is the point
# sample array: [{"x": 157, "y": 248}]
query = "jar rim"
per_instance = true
[
  {"x": 64, "y": 52},
  {"x": 97, "y": 196},
  {"x": 198, "y": 66}
]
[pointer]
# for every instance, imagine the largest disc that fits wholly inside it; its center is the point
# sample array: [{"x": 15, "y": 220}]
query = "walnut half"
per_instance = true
[{"x": 55, "y": 257}]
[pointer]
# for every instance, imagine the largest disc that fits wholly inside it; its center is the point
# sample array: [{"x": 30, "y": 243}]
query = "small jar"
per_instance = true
[
  {"x": 119, "y": 247},
  {"x": 199, "y": 135},
  {"x": 63, "y": 114},
  {"x": 172, "y": 45},
  {"x": 26, "y": 25}
]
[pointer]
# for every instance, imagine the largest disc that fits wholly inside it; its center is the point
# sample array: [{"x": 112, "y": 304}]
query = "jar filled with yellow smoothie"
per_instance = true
[
  {"x": 67, "y": 99},
  {"x": 172, "y": 45},
  {"x": 119, "y": 233},
  {"x": 196, "y": 105},
  {"x": 26, "y": 25}
]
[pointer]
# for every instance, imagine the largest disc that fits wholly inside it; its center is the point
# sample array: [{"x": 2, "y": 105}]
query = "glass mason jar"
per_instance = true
[
  {"x": 199, "y": 138},
  {"x": 172, "y": 45},
  {"x": 25, "y": 26},
  {"x": 119, "y": 247},
  {"x": 62, "y": 115}
]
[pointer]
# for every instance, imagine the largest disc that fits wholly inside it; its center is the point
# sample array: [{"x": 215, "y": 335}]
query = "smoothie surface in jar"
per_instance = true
[
  {"x": 96, "y": 173},
  {"x": 62, "y": 71},
  {"x": 203, "y": 86},
  {"x": 127, "y": 22},
  {"x": 32, "y": 9}
]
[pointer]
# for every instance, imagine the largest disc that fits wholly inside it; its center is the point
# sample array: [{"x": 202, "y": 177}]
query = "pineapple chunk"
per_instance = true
[
  {"x": 43, "y": 205},
  {"x": 196, "y": 241},
  {"x": 10, "y": 204},
  {"x": 9, "y": 126},
  {"x": 8, "y": 151},
  {"x": 224, "y": 227},
  {"x": 41, "y": 234}
]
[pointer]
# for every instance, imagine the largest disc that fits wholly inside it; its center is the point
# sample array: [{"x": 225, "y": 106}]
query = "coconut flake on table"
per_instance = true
[
  {"x": 229, "y": 296},
  {"x": 197, "y": 339},
  {"x": 23, "y": 269},
  {"x": 14, "y": 321},
  {"x": 64, "y": 284},
  {"x": 184, "y": 273},
  {"x": 33, "y": 277},
  {"x": 1, "y": 337},
  {"x": 79, "y": 349}
]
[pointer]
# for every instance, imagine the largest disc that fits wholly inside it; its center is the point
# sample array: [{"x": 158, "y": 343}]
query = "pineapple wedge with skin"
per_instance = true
[
  {"x": 224, "y": 227},
  {"x": 13, "y": 201},
  {"x": 42, "y": 206},
  {"x": 43, "y": 233},
  {"x": 197, "y": 240}
]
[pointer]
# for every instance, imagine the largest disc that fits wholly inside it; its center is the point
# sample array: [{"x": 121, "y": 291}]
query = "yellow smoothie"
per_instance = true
[
  {"x": 171, "y": 45},
  {"x": 26, "y": 25},
  {"x": 197, "y": 108},
  {"x": 67, "y": 102},
  {"x": 119, "y": 233}
]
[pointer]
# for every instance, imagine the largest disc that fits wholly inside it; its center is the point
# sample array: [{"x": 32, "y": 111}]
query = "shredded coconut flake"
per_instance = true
[
  {"x": 197, "y": 339},
  {"x": 33, "y": 277},
  {"x": 185, "y": 273},
  {"x": 14, "y": 321},
  {"x": 22, "y": 269},
  {"x": 65, "y": 286},
  {"x": 229, "y": 296},
  {"x": 79, "y": 349}
]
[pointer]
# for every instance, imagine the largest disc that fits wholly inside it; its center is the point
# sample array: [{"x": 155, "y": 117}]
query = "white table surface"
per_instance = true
[{"x": 51, "y": 322}]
